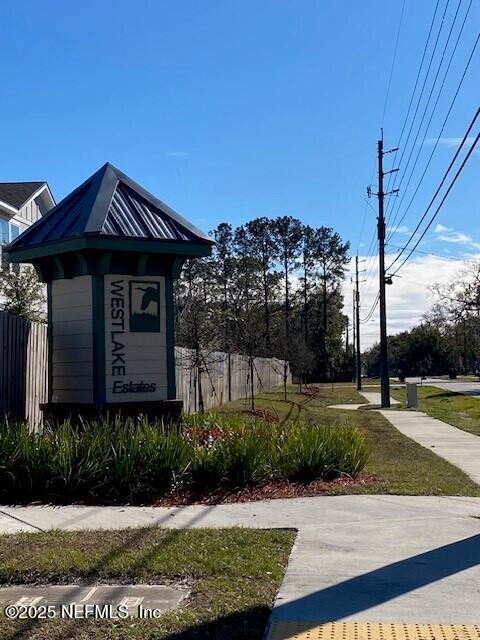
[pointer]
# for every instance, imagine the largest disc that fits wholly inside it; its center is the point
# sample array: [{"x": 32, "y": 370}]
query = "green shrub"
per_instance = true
[
  {"x": 309, "y": 452},
  {"x": 80, "y": 458},
  {"x": 208, "y": 464},
  {"x": 167, "y": 456},
  {"x": 125, "y": 458},
  {"x": 350, "y": 451},
  {"x": 229, "y": 448},
  {"x": 146, "y": 459},
  {"x": 247, "y": 455}
]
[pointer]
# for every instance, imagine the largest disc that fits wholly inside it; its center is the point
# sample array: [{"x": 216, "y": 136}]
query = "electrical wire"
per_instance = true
[
  {"x": 395, "y": 49},
  {"x": 436, "y": 255},
  {"x": 438, "y": 137},
  {"x": 452, "y": 162},
  {"x": 427, "y": 104},
  {"x": 372, "y": 246},
  {"x": 369, "y": 315},
  {"x": 470, "y": 151},
  {"x": 420, "y": 146},
  {"x": 371, "y": 252},
  {"x": 432, "y": 56},
  {"x": 414, "y": 88}
]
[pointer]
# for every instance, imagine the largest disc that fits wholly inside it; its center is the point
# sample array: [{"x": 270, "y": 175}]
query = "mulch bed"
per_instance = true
[
  {"x": 264, "y": 414},
  {"x": 186, "y": 494},
  {"x": 266, "y": 491},
  {"x": 310, "y": 392}
]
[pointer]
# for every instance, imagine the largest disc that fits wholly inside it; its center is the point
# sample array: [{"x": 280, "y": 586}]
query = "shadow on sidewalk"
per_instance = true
[
  {"x": 381, "y": 585},
  {"x": 333, "y": 603}
]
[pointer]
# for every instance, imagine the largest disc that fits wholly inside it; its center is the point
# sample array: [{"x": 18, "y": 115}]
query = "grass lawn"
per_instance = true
[
  {"x": 402, "y": 465},
  {"x": 456, "y": 409},
  {"x": 234, "y": 575}
]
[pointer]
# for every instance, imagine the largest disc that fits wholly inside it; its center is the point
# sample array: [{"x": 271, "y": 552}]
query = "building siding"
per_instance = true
[{"x": 72, "y": 342}]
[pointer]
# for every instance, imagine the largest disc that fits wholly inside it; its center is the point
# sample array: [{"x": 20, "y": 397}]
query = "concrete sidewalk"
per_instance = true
[
  {"x": 371, "y": 397},
  {"x": 375, "y": 397},
  {"x": 458, "y": 447},
  {"x": 363, "y": 558}
]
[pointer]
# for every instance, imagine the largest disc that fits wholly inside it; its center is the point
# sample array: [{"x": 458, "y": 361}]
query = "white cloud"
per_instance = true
[
  {"x": 448, "y": 234},
  {"x": 440, "y": 228},
  {"x": 456, "y": 237},
  {"x": 401, "y": 229},
  {"x": 178, "y": 154},
  {"x": 452, "y": 143},
  {"x": 408, "y": 298}
]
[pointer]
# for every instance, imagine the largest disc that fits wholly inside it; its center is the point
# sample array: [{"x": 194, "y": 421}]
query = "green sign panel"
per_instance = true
[{"x": 144, "y": 306}]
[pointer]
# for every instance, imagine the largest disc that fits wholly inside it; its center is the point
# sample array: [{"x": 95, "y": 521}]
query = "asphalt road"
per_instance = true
[{"x": 466, "y": 388}]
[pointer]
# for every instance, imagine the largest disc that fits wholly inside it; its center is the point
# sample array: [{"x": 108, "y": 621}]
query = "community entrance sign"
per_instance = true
[
  {"x": 109, "y": 253},
  {"x": 136, "y": 342}
]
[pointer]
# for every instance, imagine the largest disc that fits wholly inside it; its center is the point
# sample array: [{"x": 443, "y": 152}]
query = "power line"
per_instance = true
[
  {"x": 452, "y": 162},
  {"x": 427, "y": 104},
  {"x": 393, "y": 62},
  {"x": 371, "y": 268},
  {"x": 439, "y": 134},
  {"x": 420, "y": 146},
  {"x": 432, "y": 56},
  {"x": 470, "y": 151},
  {"x": 436, "y": 255},
  {"x": 372, "y": 309},
  {"x": 373, "y": 242},
  {"x": 415, "y": 86}
]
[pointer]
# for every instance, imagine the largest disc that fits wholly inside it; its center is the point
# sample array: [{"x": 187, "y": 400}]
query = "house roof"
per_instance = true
[
  {"x": 110, "y": 205},
  {"x": 16, "y": 194}
]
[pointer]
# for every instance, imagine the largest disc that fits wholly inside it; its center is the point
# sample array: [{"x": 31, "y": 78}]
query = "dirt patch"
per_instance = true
[
  {"x": 264, "y": 414},
  {"x": 309, "y": 392},
  {"x": 36, "y": 578},
  {"x": 267, "y": 491}
]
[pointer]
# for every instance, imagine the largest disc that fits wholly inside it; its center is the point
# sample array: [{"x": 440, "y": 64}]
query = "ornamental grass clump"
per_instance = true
[
  {"x": 230, "y": 449},
  {"x": 103, "y": 460},
  {"x": 309, "y": 452},
  {"x": 77, "y": 459},
  {"x": 126, "y": 459},
  {"x": 146, "y": 458}
]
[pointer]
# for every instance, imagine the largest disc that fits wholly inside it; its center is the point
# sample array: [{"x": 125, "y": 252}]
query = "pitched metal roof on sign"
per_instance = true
[
  {"x": 110, "y": 205},
  {"x": 16, "y": 194},
  {"x": 131, "y": 215}
]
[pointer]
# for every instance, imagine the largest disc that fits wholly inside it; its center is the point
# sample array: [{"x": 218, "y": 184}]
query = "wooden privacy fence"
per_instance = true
[
  {"x": 23, "y": 368},
  {"x": 217, "y": 377},
  {"x": 214, "y": 377}
]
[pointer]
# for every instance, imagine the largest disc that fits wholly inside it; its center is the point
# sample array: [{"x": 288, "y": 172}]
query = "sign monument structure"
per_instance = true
[{"x": 109, "y": 253}]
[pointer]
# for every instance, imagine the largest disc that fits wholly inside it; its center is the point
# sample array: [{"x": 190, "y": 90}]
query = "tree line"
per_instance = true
[
  {"x": 447, "y": 341},
  {"x": 271, "y": 288}
]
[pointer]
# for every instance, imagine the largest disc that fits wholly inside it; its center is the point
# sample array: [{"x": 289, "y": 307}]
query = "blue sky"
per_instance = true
[{"x": 229, "y": 110}]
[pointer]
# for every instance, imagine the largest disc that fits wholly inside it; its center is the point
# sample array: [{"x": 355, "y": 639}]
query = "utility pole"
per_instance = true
[
  {"x": 354, "y": 325},
  {"x": 358, "y": 366},
  {"x": 383, "y": 280}
]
